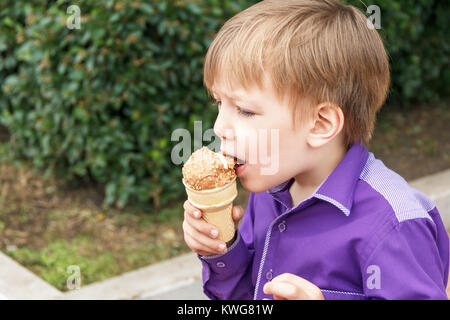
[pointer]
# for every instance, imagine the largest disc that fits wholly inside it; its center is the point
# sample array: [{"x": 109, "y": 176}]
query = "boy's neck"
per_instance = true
[{"x": 306, "y": 182}]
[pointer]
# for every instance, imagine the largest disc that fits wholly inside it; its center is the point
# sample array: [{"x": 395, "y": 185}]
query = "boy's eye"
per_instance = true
[
  {"x": 240, "y": 111},
  {"x": 245, "y": 113}
]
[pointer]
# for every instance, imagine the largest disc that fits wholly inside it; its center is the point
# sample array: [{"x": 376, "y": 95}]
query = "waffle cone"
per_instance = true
[{"x": 216, "y": 205}]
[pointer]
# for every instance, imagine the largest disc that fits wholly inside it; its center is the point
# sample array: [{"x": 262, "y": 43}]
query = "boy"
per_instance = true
[{"x": 333, "y": 222}]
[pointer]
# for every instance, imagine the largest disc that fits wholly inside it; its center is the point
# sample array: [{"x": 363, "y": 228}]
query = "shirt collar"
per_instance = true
[{"x": 339, "y": 187}]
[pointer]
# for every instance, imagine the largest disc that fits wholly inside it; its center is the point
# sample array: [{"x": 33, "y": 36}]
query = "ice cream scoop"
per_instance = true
[
  {"x": 206, "y": 170},
  {"x": 210, "y": 182}
]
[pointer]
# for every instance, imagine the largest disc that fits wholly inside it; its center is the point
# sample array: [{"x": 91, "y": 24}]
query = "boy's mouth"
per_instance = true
[{"x": 238, "y": 162}]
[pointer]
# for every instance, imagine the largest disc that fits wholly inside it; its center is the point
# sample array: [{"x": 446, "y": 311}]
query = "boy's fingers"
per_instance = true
[
  {"x": 204, "y": 253},
  {"x": 303, "y": 288},
  {"x": 286, "y": 277},
  {"x": 202, "y": 226},
  {"x": 197, "y": 247},
  {"x": 207, "y": 244},
  {"x": 283, "y": 290},
  {"x": 297, "y": 281},
  {"x": 193, "y": 211}
]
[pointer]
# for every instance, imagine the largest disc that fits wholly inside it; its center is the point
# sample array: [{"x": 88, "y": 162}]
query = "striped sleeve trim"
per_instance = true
[{"x": 407, "y": 202}]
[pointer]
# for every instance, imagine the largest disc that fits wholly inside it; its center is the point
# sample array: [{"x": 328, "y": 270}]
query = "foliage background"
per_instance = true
[{"x": 99, "y": 104}]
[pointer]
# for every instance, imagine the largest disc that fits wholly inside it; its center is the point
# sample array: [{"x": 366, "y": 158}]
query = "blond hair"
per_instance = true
[{"x": 317, "y": 49}]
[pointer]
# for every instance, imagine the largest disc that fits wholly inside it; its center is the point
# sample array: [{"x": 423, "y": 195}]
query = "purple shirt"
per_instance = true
[{"x": 364, "y": 233}]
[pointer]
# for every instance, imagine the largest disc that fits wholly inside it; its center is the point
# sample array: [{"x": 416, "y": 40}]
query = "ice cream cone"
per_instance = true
[{"x": 216, "y": 205}]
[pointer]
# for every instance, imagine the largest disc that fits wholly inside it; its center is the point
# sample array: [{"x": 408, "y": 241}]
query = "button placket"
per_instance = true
[
  {"x": 269, "y": 275},
  {"x": 271, "y": 229},
  {"x": 282, "y": 226}
]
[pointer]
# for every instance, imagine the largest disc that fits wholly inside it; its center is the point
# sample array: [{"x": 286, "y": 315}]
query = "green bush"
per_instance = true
[
  {"x": 415, "y": 33},
  {"x": 99, "y": 103}
]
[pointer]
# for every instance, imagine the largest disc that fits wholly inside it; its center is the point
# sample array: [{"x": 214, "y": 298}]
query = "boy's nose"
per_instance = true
[{"x": 223, "y": 127}]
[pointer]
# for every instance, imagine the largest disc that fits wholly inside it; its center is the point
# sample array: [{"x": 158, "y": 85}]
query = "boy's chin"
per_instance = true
[{"x": 255, "y": 185}]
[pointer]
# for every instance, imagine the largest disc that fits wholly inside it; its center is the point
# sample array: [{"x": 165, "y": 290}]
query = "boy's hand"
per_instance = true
[
  {"x": 291, "y": 287},
  {"x": 200, "y": 236}
]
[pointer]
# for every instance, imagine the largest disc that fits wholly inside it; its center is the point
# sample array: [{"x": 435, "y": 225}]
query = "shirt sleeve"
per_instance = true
[
  {"x": 406, "y": 264},
  {"x": 228, "y": 276}
]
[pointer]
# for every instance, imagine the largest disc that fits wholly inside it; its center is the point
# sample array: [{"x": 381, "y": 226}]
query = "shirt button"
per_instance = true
[
  {"x": 282, "y": 226},
  {"x": 269, "y": 275},
  {"x": 220, "y": 264}
]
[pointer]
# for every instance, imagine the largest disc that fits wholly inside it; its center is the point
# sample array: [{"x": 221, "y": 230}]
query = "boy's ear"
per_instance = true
[{"x": 327, "y": 123}]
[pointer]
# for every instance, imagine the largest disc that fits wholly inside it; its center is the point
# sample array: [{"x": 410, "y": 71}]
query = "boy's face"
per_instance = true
[{"x": 257, "y": 128}]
